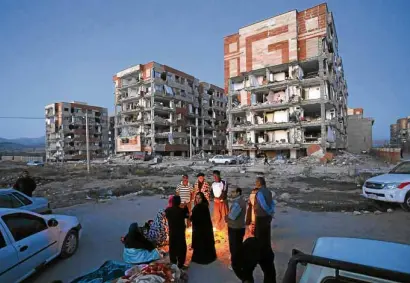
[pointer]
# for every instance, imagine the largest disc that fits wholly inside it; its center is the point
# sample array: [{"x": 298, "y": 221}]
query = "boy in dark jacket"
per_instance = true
[
  {"x": 25, "y": 184},
  {"x": 176, "y": 222}
]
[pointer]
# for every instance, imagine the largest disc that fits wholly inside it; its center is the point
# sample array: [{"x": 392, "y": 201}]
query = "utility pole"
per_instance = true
[
  {"x": 87, "y": 141},
  {"x": 190, "y": 142}
]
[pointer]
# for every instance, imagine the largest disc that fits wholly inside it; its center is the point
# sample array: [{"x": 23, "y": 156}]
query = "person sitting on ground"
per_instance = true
[
  {"x": 137, "y": 248},
  {"x": 25, "y": 184},
  {"x": 203, "y": 241},
  {"x": 157, "y": 230},
  {"x": 176, "y": 216}
]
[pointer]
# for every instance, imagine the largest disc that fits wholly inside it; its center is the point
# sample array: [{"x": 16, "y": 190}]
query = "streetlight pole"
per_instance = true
[{"x": 87, "y": 141}]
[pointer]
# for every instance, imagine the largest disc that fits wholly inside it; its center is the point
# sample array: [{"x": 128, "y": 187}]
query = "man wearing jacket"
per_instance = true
[
  {"x": 236, "y": 230},
  {"x": 264, "y": 210}
]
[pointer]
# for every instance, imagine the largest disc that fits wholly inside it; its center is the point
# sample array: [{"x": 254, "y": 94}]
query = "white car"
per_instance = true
[
  {"x": 220, "y": 159},
  {"x": 10, "y": 198},
  {"x": 391, "y": 187},
  {"x": 28, "y": 241}
]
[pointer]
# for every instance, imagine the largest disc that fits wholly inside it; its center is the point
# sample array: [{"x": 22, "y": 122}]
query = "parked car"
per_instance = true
[
  {"x": 141, "y": 155},
  {"x": 343, "y": 260},
  {"x": 10, "y": 198},
  {"x": 220, "y": 159},
  {"x": 242, "y": 159},
  {"x": 35, "y": 163},
  {"x": 391, "y": 187},
  {"x": 29, "y": 241}
]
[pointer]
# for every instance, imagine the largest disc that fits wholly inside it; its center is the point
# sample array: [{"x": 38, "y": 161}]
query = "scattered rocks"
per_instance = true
[
  {"x": 377, "y": 212},
  {"x": 356, "y": 212},
  {"x": 284, "y": 197},
  {"x": 366, "y": 212},
  {"x": 390, "y": 210}
]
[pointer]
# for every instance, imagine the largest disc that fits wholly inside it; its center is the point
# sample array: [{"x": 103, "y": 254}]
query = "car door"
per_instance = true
[
  {"x": 35, "y": 242},
  {"x": 8, "y": 258}
]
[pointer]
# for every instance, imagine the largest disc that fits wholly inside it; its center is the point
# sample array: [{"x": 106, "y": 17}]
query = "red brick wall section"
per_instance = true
[
  {"x": 231, "y": 39},
  {"x": 256, "y": 37},
  {"x": 178, "y": 73},
  {"x": 302, "y": 49},
  {"x": 227, "y": 41},
  {"x": 146, "y": 67},
  {"x": 282, "y": 45},
  {"x": 319, "y": 11}
]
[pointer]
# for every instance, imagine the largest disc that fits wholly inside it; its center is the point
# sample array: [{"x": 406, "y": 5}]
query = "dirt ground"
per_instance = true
[{"x": 301, "y": 184}]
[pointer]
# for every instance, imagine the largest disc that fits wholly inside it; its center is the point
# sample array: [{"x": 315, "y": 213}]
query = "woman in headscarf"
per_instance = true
[
  {"x": 137, "y": 248},
  {"x": 203, "y": 242},
  {"x": 176, "y": 216},
  {"x": 158, "y": 229}
]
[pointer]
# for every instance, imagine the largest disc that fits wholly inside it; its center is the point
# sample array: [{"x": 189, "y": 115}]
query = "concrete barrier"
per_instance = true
[
  {"x": 391, "y": 155},
  {"x": 22, "y": 158}
]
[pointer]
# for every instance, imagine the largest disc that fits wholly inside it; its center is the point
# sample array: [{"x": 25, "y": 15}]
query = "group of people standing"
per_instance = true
[
  {"x": 257, "y": 214},
  {"x": 190, "y": 206}
]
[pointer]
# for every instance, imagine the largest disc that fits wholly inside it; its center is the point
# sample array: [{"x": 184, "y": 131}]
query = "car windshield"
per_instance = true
[{"x": 402, "y": 168}]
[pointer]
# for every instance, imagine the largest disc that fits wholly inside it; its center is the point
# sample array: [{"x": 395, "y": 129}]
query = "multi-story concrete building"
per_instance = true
[
  {"x": 111, "y": 135},
  {"x": 159, "y": 107},
  {"x": 400, "y": 134},
  {"x": 66, "y": 131},
  {"x": 286, "y": 84},
  {"x": 359, "y": 131}
]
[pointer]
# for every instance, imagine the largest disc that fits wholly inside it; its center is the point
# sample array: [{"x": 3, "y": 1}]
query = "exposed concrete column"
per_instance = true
[
  {"x": 252, "y": 133},
  {"x": 152, "y": 120},
  {"x": 115, "y": 127},
  {"x": 230, "y": 124},
  {"x": 323, "y": 116},
  {"x": 293, "y": 153}
]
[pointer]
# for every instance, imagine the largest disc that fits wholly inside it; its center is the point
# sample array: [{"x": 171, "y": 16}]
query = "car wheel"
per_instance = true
[
  {"x": 226, "y": 163},
  {"x": 213, "y": 162},
  {"x": 406, "y": 204},
  {"x": 70, "y": 244}
]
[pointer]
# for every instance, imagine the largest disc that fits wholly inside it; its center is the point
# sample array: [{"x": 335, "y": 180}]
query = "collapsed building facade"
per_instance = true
[
  {"x": 66, "y": 131},
  {"x": 285, "y": 83},
  {"x": 400, "y": 134},
  {"x": 359, "y": 131},
  {"x": 158, "y": 109}
]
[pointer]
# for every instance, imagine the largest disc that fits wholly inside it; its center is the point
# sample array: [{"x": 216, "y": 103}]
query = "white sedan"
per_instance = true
[
  {"x": 391, "y": 187},
  {"x": 221, "y": 159},
  {"x": 28, "y": 241}
]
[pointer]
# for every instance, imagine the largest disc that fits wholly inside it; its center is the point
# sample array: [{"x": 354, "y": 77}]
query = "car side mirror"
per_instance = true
[{"x": 52, "y": 223}]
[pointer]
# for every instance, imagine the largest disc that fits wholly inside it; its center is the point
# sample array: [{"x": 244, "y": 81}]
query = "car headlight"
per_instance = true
[{"x": 391, "y": 186}]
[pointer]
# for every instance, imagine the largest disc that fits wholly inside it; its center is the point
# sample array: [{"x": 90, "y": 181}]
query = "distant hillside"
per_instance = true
[{"x": 21, "y": 143}]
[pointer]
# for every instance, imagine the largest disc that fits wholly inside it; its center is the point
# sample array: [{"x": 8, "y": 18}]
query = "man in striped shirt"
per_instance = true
[{"x": 185, "y": 191}]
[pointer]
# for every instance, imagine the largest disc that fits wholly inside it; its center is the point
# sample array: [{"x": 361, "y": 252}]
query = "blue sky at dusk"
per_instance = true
[{"x": 69, "y": 50}]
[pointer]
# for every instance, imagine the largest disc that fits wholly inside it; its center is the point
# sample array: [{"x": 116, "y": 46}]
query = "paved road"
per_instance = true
[{"x": 105, "y": 223}]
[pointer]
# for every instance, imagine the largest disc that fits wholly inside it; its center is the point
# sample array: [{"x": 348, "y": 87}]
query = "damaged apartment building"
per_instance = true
[
  {"x": 286, "y": 85},
  {"x": 159, "y": 108},
  {"x": 66, "y": 131}
]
